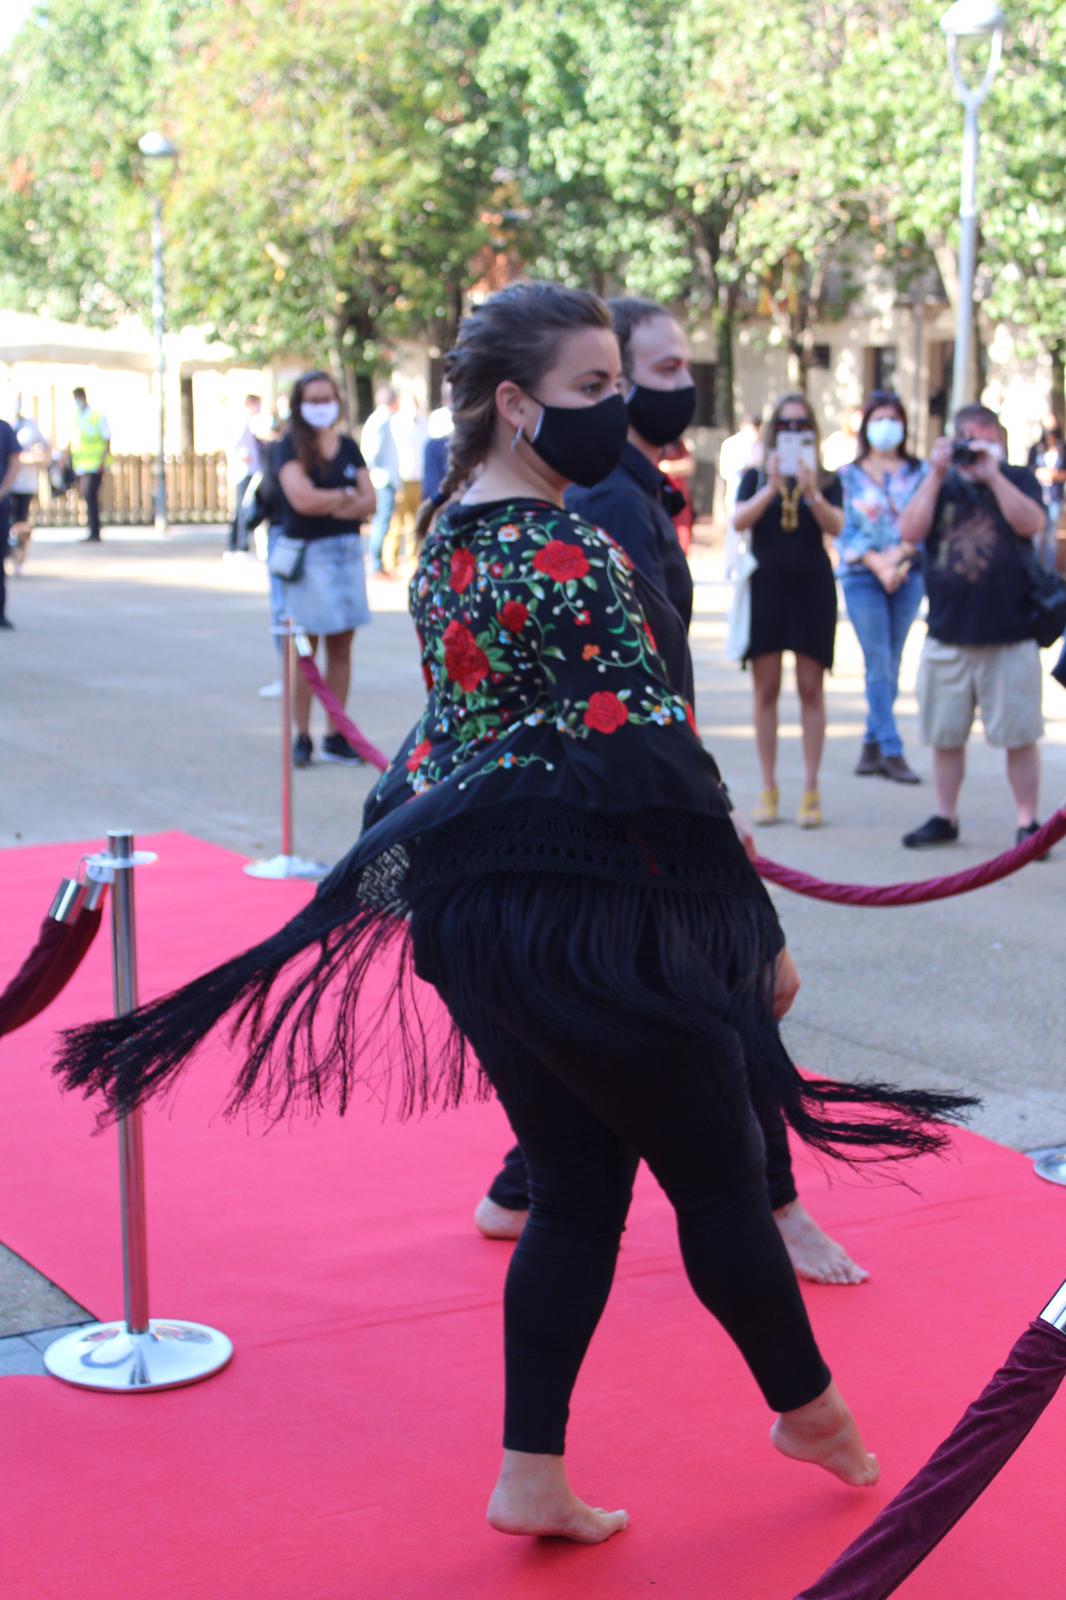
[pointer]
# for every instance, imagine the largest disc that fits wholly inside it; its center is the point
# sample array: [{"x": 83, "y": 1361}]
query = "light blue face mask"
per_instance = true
[{"x": 885, "y": 433}]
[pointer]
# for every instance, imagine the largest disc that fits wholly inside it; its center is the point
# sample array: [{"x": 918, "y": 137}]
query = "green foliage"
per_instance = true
[{"x": 350, "y": 168}]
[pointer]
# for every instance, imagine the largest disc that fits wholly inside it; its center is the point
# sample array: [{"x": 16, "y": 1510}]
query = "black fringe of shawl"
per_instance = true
[
  {"x": 609, "y": 966},
  {"x": 298, "y": 1007}
]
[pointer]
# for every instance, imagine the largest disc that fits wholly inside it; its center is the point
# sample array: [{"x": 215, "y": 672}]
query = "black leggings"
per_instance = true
[
  {"x": 583, "y": 1125},
  {"x": 510, "y": 1187}
]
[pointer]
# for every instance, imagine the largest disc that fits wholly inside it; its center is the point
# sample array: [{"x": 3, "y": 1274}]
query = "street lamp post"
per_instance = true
[
  {"x": 969, "y": 19},
  {"x": 157, "y": 147}
]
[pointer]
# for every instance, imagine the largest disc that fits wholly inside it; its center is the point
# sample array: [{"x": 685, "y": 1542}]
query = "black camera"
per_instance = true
[{"x": 963, "y": 453}]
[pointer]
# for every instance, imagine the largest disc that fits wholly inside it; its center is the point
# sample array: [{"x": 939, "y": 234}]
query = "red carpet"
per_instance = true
[{"x": 347, "y": 1452}]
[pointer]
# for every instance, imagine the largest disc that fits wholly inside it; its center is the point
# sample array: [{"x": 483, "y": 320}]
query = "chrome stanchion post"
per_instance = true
[
  {"x": 139, "y": 1353},
  {"x": 131, "y": 1126},
  {"x": 286, "y": 865}
]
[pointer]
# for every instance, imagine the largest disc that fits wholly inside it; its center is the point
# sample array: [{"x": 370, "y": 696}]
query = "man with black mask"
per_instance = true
[{"x": 633, "y": 503}]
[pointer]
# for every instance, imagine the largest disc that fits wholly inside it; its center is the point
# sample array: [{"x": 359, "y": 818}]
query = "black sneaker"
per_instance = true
[
  {"x": 1027, "y": 833},
  {"x": 6, "y": 622},
  {"x": 938, "y": 830},
  {"x": 335, "y": 747},
  {"x": 301, "y": 750}
]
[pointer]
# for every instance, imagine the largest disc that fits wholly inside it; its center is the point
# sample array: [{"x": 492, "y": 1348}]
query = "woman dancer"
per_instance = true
[
  {"x": 326, "y": 490},
  {"x": 551, "y": 850},
  {"x": 793, "y": 596},
  {"x": 882, "y": 586},
  {"x": 629, "y": 505}
]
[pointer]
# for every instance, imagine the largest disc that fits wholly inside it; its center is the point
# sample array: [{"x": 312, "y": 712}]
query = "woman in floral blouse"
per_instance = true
[
  {"x": 881, "y": 583},
  {"x": 551, "y": 850}
]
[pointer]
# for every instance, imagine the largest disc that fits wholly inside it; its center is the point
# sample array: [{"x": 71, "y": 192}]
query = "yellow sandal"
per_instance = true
[
  {"x": 766, "y": 810},
  {"x": 810, "y": 811}
]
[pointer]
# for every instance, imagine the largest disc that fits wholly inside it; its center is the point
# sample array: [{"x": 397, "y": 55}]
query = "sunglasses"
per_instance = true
[{"x": 793, "y": 425}]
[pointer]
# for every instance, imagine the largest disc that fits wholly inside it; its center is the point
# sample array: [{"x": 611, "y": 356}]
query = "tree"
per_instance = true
[{"x": 74, "y": 216}]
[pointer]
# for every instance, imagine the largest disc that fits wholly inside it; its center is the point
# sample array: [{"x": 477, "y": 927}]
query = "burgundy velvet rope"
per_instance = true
[
  {"x": 916, "y": 894},
  {"x": 55, "y": 958},
  {"x": 341, "y": 721}
]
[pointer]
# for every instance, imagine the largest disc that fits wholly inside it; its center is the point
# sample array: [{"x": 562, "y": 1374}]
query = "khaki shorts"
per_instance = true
[{"x": 1002, "y": 679}]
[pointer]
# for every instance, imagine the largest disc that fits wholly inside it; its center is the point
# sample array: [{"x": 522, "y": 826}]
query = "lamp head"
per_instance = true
[
  {"x": 156, "y": 147},
  {"x": 967, "y": 19}
]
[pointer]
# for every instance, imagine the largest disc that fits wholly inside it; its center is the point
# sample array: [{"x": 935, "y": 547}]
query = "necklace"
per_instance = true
[{"x": 790, "y": 499}]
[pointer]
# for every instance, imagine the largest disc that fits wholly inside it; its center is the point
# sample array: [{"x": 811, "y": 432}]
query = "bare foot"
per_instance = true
[
  {"x": 533, "y": 1497},
  {"x": 498, "y": 1222},
  {"x": 815, "y": 1256},
  {"x": 825, "y": 1434}
]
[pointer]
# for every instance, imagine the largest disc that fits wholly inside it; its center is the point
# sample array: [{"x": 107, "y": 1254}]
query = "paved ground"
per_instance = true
[{"x": 130, "y": 700}]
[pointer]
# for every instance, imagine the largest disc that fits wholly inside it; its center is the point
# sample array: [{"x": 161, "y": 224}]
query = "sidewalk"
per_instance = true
[{"x": 131, "y": 679}]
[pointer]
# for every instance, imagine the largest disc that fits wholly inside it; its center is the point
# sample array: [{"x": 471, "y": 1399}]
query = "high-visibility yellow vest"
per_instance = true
[{"x": 90, "y": 451}]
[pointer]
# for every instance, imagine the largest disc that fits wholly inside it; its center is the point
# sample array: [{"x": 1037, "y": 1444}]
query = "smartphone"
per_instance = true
[{"x": 793, "y": 451}]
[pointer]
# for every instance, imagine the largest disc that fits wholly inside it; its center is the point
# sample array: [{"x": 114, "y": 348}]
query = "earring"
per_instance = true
[{"x": 518, "y": 434}]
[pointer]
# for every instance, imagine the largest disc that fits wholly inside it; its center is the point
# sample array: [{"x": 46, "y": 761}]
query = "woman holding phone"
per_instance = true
[
  {"x": 882, "y": 586},
  {"x": 791, "y": 508}
]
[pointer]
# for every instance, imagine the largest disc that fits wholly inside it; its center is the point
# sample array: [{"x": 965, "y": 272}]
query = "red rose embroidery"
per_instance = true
[
  {"x": 418, "y": 755},
  {"x": 606, "y": 713},
  {"x": 561, "y": 562},
  {"x": 690, "y": 717},
  {"x": 463, "y": 569},
  {"x": 651, "y": 639},
  {"x": 427, "y": 676},
  {"x": 513, "y": 616},
  {"x": 464, "y": 660}
]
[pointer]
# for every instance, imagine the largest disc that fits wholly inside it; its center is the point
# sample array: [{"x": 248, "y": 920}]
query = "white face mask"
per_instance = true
[
  {"x": 320, "y": 413},
  {"x": 885, "y": 433}
]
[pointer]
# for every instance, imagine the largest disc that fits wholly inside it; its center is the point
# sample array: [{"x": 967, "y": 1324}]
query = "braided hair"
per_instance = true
[{"x": 514, "y": 337}]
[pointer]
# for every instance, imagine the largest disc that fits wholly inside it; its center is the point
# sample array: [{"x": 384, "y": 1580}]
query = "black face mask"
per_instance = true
[
  {"x": 661, "y": 415},
  {"x": 582, "y": 443}
]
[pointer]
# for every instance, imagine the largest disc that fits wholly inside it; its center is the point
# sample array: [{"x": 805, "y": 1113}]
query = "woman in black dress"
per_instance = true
[
  {"x": 550, "y": 849},
  {"x": 793, "y": 597}
]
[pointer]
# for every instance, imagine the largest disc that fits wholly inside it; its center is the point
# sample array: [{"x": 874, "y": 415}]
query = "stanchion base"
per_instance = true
[
  {"x": 1051, "y": 1164},
  {"x": 287, "y": 867},
  {"x": 105, "y": 1355}
]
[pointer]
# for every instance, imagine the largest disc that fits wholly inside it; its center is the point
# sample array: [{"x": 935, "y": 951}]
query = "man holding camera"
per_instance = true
[{"x": 971, "y": 512}]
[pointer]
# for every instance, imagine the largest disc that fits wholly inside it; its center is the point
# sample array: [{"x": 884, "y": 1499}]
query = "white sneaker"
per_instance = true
[{"x": 270, "y": 691}]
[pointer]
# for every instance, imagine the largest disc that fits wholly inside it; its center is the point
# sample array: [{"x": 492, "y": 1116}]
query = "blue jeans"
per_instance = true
[
  {"x": 379, "y": 528},
  {"x": 1046, "y": 541},
  {"x": 882, "y": 622}
]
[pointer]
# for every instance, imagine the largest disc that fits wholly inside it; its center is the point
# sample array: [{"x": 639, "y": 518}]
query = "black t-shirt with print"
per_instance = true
[
  {"x": 976, "y": 575},
  {"x": 340, "y": 473}
]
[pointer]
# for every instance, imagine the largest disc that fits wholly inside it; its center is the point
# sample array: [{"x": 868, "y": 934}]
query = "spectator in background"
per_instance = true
[
  {"x": 971, "y": 515},
  {"x": 34, "y": 453},
  {"x": 440, "y": 429},
  {"x": 378, "y": 444},
  {"x": 1047, "y": 459},
  {"x": 740, "y": 451},
  {"x": 842, "y": 446},
  {"x": 410, "y": 431},
  {"x": 9, "y": 469},
  {"x": 245, "y": 462},
  {"x": 326, "y": 493},
  {"x": 793, "y": 595},
  {"x": 882, "y": 586},
  {"x": 678, "y": 466},
  {"x": 90, "y": 451}
]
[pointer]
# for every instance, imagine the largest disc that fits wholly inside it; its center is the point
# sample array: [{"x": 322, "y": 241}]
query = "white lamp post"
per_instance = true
[
  {"x": 157, "y": 147},
  {"x": 969, "y": 19}
]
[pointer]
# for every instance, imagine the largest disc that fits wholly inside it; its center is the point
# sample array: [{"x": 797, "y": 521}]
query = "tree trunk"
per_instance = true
[
  {"x": 723, "y": 322},
  {"x": 1058, "y": 378}
]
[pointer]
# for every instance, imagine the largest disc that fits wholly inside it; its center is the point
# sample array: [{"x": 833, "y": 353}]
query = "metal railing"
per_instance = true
[{"x": 198, "y": 490}]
